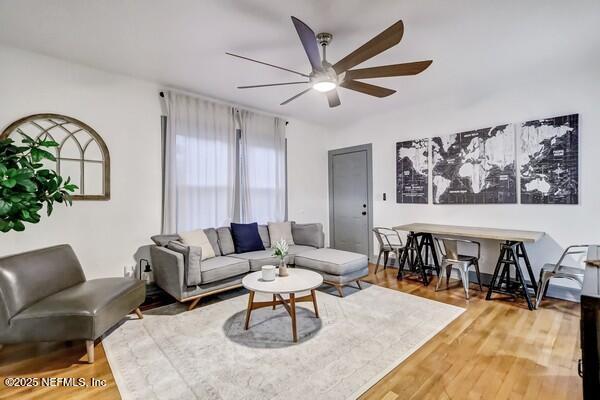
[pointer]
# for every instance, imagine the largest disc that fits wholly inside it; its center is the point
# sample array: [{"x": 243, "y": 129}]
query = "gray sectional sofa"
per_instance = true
[{"x": 174, "y": 274}]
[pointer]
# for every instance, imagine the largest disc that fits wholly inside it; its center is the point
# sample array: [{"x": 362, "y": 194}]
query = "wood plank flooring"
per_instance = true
[{"x": 495, "y": 350}]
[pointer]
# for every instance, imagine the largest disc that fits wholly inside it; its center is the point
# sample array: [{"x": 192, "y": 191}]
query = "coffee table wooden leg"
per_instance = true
[
  {"x": 249, "y": 310},
  {"x": 293, "y": 315},
  {"x": 313, "y": 293},
  {"x": 274, "y": 299}
]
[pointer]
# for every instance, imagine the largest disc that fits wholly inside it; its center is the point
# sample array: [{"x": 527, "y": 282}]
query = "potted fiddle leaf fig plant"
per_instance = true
[{"x": 26, "y": 184}]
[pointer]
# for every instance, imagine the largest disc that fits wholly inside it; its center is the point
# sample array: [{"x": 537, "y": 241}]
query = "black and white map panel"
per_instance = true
[
  {"x": 549, "y": 161},
  {"x": 475, "y": 167},
  {"x": 412, "y": 171}
]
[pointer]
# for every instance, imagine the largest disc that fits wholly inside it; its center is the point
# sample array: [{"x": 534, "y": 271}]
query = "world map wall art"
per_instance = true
[
  {"x": 412, "y": 171},
  {"x": 480, "y": 166},
  {"x": 549, "y": 161},
  {"x": 475, "y": 167}
]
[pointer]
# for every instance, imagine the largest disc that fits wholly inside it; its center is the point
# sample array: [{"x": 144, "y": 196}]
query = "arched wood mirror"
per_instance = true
[{"x": 81, "y": 154}]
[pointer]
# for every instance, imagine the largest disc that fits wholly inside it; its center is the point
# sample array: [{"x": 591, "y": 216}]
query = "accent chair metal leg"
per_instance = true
[
  {"x": 378, "y": 259},
  {"x": 464, "y": 276},
  {"x": 476, "y": 263},
  {"x": 386, "y": 255},
  {"x": 358, "y": 284},
  {"x": 542, "y": 286},
  {"x": 448, "y": 273},
  {"x": 439, "y": 281},
  {"x": 89, "y": 346}
]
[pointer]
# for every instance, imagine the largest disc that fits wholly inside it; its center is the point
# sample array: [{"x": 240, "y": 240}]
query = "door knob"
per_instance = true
[{"x": 364, "y": 213}]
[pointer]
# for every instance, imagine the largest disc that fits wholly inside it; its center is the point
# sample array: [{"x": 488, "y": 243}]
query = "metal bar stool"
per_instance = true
[
  {"x": 559, "y": 270},
  {"x": 389, "y": 241},
  {"x": 448, "y": 248}
]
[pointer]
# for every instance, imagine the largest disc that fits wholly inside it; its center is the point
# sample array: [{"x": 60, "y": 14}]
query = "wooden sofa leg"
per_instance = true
[
  {"x": 340, "y": 290},
  {"x": 193, "y": 304},
  {"x": 139, "y": 313},
  {"x": 89, "y": 345}
]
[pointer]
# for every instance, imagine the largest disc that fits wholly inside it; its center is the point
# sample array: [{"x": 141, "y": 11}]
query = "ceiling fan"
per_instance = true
[{"x": 326, "y": 77}]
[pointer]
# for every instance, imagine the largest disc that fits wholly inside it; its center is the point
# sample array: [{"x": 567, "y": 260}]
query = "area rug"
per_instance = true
[{"x": 207, "y": 354}]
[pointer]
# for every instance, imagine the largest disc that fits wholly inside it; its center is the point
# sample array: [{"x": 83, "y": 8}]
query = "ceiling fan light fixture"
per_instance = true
[{"x": 324, "y": 86}]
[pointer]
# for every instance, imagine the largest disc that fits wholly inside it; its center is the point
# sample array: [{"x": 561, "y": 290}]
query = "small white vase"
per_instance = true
[{"x": 283, "y": 271}]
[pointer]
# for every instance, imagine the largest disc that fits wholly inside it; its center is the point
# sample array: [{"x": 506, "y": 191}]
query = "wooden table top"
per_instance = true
[{"x": 473, "y": 232}]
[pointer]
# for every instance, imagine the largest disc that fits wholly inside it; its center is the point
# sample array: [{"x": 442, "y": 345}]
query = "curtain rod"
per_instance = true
[{"x": 162, "y": 94}]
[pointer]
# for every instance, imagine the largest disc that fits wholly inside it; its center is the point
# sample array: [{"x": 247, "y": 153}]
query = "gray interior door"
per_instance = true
[{"x": 349, "y": 202}]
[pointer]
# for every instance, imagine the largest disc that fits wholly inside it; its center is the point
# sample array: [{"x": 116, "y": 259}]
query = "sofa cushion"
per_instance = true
[
  {"x": 213, "y": 238},
  {"x": 259, "y": 258},
  {"x": 308, "y": 234},
  {"x": 218, "y": 268},
  {"x": 281, "y": 231},
  {"x": 163, "y": 240},
  {"x": 332, "y": 261},
  {"x": 192, "y": 256},
  {"x": 295, "y": 250},
  {"x": 263, "y": 231},
  {"x": 83, "y": 311},
  {"x": 246, "y": 237},
  {"x": 199, "y": 239},
  {"x": 225, "y": 241}
]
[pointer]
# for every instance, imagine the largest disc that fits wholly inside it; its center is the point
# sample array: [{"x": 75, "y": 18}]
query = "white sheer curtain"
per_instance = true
[
  {"x": 262, "y": 168},
  {"x": 200, "y": 164}
]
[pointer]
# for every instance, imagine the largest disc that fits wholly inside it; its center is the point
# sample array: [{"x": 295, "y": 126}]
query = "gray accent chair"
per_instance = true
[
  {"x": 560, "y": 270},
  {"x": 226, "y": 270},
  {"x": 389, "y": 240},
  {"x": 451, "y": 258},
  {"x": 45, "y": 297}
]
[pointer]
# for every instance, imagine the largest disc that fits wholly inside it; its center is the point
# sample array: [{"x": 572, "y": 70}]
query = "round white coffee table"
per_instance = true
[{"x": 298, "y": 280}]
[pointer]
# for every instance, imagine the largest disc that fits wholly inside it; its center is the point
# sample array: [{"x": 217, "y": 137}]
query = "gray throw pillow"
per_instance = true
[
  {"x": 308, "y": 234},
  {"x": 192, "y": 257},
  {"x": 163, "y": 240}
]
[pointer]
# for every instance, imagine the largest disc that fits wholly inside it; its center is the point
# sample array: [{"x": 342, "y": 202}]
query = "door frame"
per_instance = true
[{"x": 353, "y": 149}]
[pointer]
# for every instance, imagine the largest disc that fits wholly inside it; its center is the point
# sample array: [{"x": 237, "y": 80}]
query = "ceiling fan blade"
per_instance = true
[
  {"x": 267, "y": 64},
  {"x": 412, "y": 68},
  {"x": 295, "y": 97},
  {"x": 333, "y": 98},
  {"x": 309, "y": 42},
  {"x": 272, "y": 84},
  {"x": 367, "y": 88},
  {"x": 386, "y": 39}
]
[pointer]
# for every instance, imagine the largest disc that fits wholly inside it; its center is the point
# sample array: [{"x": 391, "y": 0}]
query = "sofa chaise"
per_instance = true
[{"x": 226, "y": 270}]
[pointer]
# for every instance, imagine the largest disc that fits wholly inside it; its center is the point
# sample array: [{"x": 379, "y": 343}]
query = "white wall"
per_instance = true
[
  {"x": 106, "y": 235},
  {"x": 307, "y": 181},
  {"x": 536, "y": 94},
  {"x": 126, "y": 113}
]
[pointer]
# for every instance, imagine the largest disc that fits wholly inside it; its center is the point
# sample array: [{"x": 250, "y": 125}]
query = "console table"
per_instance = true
[{"x": 512, "y": 251}]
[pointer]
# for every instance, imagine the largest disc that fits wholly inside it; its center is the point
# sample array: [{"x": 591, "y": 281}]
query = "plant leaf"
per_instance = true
[{"x": 9, "y": 183}]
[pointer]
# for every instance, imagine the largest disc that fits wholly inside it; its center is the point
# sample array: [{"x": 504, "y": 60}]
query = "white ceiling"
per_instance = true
[{"x": 182, "y": 44}]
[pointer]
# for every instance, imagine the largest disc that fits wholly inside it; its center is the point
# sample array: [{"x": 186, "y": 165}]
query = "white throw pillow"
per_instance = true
[
  {"x": 198, "y": 238},
  {"x": 281, "y": 230}
]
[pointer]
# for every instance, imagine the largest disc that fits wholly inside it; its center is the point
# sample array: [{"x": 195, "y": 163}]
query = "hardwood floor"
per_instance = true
[{"x": 494, "y": 350}]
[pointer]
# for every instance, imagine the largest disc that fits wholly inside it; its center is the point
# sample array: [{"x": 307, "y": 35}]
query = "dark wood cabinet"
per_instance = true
[{"x": 589, "y": 367}]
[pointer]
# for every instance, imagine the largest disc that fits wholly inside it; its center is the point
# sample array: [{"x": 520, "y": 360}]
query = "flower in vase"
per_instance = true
[{"x": 280, "y": 249}]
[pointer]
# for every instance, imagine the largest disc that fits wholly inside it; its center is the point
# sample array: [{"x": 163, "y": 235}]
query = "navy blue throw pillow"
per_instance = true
[{"x": 246, "y": 237}]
